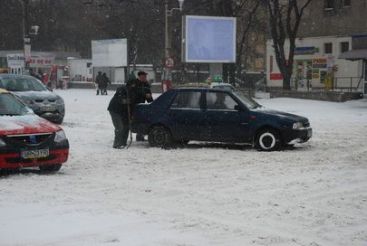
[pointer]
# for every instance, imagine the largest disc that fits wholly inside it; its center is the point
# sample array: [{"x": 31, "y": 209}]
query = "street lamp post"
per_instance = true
[
  {"x": 27, "y": 33},
  {"x": 168, "y": 63},
  {"x": 26, "y": 39}
]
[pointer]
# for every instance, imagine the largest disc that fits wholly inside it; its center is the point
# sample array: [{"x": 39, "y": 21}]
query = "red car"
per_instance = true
[{"x": 26, "y": 140}]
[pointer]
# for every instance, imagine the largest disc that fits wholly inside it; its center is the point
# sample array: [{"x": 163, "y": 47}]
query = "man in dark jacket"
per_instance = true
[
  {"x": 119, "y": 111},
  {"x": 99, "y": 82},
  {"x": 140, "y": 93},
  {"x": 106, "y": 82}
]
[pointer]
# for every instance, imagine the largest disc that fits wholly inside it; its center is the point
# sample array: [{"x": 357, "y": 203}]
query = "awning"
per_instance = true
[{"x": 354, "y": 55}]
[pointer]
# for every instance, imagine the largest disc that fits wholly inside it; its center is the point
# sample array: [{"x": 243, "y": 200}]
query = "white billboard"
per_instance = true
[
  {"x": 109, "y": 53},
  {"x": 210, "y": 39}
]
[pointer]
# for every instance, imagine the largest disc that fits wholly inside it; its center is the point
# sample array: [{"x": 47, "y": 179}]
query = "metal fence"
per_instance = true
[{"x": 339, "y": 84}]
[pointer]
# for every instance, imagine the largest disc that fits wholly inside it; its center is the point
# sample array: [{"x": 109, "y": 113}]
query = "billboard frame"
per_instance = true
[
  {"x": 124, "y": 63},
  {"x": 185, "y": 35}
]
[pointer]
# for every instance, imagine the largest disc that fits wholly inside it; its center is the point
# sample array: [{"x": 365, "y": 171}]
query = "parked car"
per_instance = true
[
  {"x": 212, "y": 115},
  {"x": 35, "y": 95},
  {"x": 26, "y": 140}
]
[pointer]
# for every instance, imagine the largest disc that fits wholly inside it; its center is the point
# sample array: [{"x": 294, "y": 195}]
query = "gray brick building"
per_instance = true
[{"x": 331, "y": 48}]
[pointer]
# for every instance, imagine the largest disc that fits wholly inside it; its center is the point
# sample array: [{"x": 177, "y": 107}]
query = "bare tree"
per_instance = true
[{"x": 284, "y": 20}]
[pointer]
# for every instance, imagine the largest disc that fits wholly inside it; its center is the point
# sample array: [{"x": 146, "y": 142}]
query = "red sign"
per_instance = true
[
  {"x": 41, "y": 61},
  {"x": 276, "y": 76}
]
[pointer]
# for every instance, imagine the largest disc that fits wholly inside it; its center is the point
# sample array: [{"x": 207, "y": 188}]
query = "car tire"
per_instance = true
[
  {"x": 268, "y": 140},
  {"x": 160, "y": 136},
  {"x": 50, "y": 168}
]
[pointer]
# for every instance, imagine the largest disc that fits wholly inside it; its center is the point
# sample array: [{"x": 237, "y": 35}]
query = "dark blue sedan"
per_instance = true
[{"x": 212, "y": 115}]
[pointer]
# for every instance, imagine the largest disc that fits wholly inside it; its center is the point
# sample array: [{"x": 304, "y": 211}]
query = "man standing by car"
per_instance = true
[
  {"x": 141, "y": 93},
  {"x": 119, "y": 111}
]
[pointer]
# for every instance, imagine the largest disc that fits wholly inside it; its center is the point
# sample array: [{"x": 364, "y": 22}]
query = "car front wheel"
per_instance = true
[
  {"x": 268, "y": 140},
  {"x": 160, "y": 136}
]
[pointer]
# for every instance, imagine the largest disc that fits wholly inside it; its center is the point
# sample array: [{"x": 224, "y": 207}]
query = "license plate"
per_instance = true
[
  {"x": 48, "y": 108},
  {"x": 309, "y": 133},
  {"x": 35, "y": 154}
]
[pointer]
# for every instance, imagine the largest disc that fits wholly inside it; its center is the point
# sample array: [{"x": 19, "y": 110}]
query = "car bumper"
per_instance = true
[
  {"x": 53, "y": 117},
  {"x": 297, "y": 136},
  {"x": 54, "y": 114},
  {"x": 13, "y": 160}
]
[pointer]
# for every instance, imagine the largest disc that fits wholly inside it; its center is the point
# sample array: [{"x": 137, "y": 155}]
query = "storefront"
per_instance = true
[{"x": 317, "y": 65}]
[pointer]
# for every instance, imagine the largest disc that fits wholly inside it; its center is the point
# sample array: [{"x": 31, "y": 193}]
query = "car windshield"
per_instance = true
[
  {"x": 249, "y": 102},
  {"x": 11, "y": 106},
  {"x": 21, "y": 84}
]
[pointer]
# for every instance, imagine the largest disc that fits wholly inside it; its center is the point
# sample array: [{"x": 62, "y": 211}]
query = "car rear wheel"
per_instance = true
[
  {"x": 160, "y": 136},
  {"x": 50, "y": 168},
  {"x": 268, "y": 140}
]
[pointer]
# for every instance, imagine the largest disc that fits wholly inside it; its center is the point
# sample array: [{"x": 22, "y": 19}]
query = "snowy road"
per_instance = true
[{"x": 199, "y": 195}]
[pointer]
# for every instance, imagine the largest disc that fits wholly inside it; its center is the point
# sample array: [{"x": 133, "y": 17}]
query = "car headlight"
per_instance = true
[
  {"x": 2, "y": 143},
  {"x": 60, "y": 136},
  {"x": 297, "y": 126}
]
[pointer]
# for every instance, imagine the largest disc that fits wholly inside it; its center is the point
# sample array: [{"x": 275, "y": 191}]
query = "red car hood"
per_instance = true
[{"x": 27, "y": 124}]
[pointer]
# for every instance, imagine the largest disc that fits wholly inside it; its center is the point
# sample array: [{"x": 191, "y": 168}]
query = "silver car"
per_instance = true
[{"x": 32, "y": 92}]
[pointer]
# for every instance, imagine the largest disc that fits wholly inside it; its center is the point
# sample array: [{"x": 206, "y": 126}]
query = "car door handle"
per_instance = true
[{"x": 244, "y": 123}]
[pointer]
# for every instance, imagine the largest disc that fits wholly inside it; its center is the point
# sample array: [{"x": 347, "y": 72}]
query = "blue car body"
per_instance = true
[{"x": 205, "y": 122}]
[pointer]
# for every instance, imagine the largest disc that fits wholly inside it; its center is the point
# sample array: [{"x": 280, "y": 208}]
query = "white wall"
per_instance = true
[{"x": 79, "y": 68}]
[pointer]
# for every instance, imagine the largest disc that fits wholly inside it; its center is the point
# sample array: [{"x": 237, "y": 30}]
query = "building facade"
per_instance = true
[{"x": 330, "y": 30}]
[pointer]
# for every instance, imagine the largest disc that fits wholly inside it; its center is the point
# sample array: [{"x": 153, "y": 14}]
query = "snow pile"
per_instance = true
[{"x": 200, "y": 195}]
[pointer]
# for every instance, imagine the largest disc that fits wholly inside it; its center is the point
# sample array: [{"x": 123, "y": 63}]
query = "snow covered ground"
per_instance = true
[{"x": 199, "y": 195}]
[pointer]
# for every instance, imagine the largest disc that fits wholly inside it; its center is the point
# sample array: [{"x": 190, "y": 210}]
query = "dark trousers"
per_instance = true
[
  {"x": 103, "y": 91},
  {"x": 121, "y": 125}
]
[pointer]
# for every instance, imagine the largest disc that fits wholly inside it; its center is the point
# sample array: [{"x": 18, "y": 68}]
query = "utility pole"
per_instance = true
[
  {"x": 26, "y": 38},
  {"x": 168, "y": 63},
  {"x": 167, "y": 42}
]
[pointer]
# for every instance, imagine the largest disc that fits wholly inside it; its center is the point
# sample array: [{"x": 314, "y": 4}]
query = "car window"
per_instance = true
[
  {"x": 187, "y": 100},
  {"x": 22, "y": 84},
  {"x": 220, "y": 101},
  {"x": 248, "y": 101},
  {"x": 9, "y": 105}
]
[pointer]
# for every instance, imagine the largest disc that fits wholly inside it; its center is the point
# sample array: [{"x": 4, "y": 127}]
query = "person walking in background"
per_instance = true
[
  {"x": 141, "y": 93},
  {"x": 105, "y": 83},
  {"x": 99, "y": 82}
]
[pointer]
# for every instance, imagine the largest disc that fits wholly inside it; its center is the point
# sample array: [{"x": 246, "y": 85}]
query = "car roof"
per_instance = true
[
  {"x": 7, "y": 75},
  {"x": 220, "y": 84},
  {"x": 199, "y": 89}
]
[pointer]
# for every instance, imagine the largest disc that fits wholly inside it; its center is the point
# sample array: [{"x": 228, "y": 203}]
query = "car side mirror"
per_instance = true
[{"x": 238, "y": 108}]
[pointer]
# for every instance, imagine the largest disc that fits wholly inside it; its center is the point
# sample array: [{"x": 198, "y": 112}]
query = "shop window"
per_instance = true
[
  {"x": 329, "y": 4},
  {"x": 344, "y": 47},
  {"x": 328, "y": 48}
]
